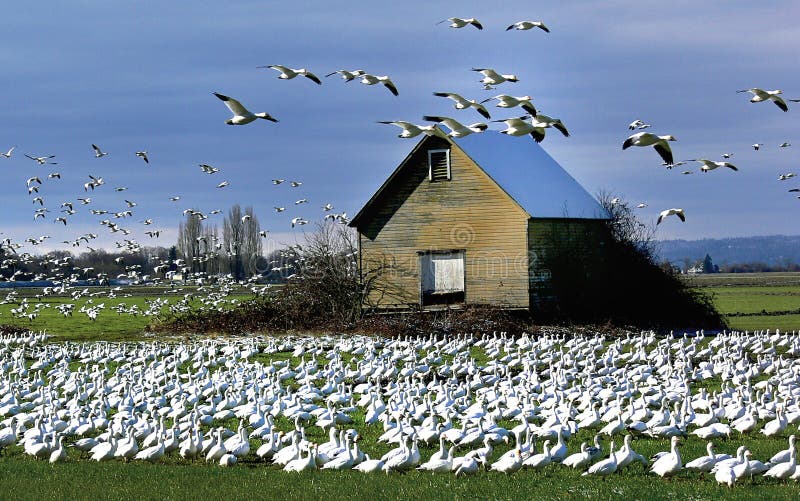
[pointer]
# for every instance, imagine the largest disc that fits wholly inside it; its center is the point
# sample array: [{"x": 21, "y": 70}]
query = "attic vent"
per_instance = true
[{"x": 439, "y": 165}]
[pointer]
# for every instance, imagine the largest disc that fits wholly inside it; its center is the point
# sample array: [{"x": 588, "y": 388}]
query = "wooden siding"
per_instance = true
[
  {"x": 581, "y": 237},
  {"x": 469, "y": 212}
]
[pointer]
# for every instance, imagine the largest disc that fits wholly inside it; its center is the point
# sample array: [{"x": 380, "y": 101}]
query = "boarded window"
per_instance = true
[
  {"x": 442, "y": 277},
  {"x": 439, "y": 165}
]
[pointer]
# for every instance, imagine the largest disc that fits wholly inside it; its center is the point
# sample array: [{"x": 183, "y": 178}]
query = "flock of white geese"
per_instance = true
[{"x": 445, "y": 405}]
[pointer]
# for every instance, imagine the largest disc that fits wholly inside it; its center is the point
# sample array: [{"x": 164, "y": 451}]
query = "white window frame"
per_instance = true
[{"x": 446, "y": 151}]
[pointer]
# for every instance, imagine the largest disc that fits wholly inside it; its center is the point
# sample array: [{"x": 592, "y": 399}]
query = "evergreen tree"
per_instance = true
[{"x": 708, "y": 265}]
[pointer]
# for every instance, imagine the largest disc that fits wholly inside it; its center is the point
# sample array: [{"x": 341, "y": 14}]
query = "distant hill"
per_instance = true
[{"x": 776, "y": 250}]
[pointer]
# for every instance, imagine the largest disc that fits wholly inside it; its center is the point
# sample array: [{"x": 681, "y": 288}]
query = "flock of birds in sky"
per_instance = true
[
  {"x": 529, "y": 123},
  {"x": 532, "y": 123},
  {"x": 432, "y": 405}
]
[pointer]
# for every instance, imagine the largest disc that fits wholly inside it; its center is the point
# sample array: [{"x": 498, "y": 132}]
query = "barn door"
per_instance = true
[{"x": 442, "y": 277}]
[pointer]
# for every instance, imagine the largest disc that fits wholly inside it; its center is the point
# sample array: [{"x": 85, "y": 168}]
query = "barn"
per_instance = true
[{"x": 478, "y": 220}]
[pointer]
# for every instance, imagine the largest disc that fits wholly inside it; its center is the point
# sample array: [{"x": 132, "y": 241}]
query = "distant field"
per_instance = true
[
  {"x": 109, "y": 326},
  {"x": 745, "y": 279},
  {"x": 753, "y": 301}
]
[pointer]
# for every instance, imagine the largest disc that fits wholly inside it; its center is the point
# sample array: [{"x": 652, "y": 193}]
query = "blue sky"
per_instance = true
[{"x": 139, "y": 75}]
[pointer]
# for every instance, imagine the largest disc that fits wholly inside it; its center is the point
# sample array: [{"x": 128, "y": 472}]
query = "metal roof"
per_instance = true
[
  {"x": 530, "y": 176},
  {"x": 524, "y": 170}
]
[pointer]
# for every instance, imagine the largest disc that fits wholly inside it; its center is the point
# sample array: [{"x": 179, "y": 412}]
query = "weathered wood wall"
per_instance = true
[{"x": 468, "y": 212}]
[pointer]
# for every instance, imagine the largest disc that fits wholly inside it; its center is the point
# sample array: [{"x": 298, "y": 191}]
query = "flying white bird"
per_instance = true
[
  {"x": 298, "y": 221},
  {"x": 43, "y": 160},
  {"x": 518, "y": 127},
  {"x": 368, "y": 79},
  {"x": 98, "y": 153},
  {"x": 635, "y": 124},
  {"x": 727, "y": 155},
  {"x": 9, "y": 152},
  {"x": 240, "y": 114},
  {"x": 462, "y": 103},
  {"x": 526, "y": 25},
  {"x": 277, "y": 181},
  {"x": 711, "y": 165},
  {"x": 658, "y": 142},
  {"x": 289, "y": 73},
  {"x": 760, "y": 95},
  {"x": 456, "y": 128},
  {"x": 143, "y": 156},
  {"x": 301, "y": 201},
  {"x": 347, "y": 75},
  {"x": 543, "y": 121},
  {"x": 223, "y": 184},
  {"x": 506, "y": 101},
  {"x": 280, "y": 209},
  {"x": 671, "y": 212},
  {"x": 458, "y": 22},
  {"x": 295, "y": 184},
  {"x": 208, "y": 169},
  {"x": 412, "y": 130},
  {"x": 246, "y": 217},
  {"x": 784, "y": 177},
  {"x": 491, "y": 77},
  {"x": 785, "y": 145}
]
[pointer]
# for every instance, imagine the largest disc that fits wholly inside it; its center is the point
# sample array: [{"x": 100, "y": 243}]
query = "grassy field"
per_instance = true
[
  {"x": 752, "y": 301},
  {"x": 174, "y": 478},
  {"x": 109, "y": 326}
]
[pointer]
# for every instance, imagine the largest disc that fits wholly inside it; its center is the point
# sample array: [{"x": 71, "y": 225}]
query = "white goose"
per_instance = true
[
  {"x": 671, "y": 212},
  {"x": 659, "y": 143},
  {"x": 668, "y": 464},
  {"x": 456, "y": 128},
  {"x": 527, "y": 25},
  {"x": 506, "y": 101},
  {"x": 287, "y": 73},
  {"x": 508, "y": 464},
  {"x": 704, "y": 464},
  {"x": 458, "y": 22},
  {"x": 462, "y": 103},
  {"x": 579, "y": 459},
  {"x": 605, "y": 467},
  {"x": 368, "y": 79},
  {"x": 491, "y": 77},
  {"x": 241, "y": 115},
  {"x": 347, "y": 75},
  {"x": 785, "y": 470},
  {"x": 760, "y": 95},
  {"x": 412, "y": 130},
  {"x": 783, "y": 456}
]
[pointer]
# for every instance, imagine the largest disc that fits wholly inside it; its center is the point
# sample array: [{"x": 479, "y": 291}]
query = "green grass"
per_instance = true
[
  {"x": 109, "y": 326},
  {"x": 39, "y": 480},
  {"x": 756, "y": 299},
  {"x": 746, "y": 298},
  {"x": 174, "y": 478}
]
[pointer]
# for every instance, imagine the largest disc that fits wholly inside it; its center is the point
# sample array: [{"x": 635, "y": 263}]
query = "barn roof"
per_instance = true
[{"x": 524, "y": 170}]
